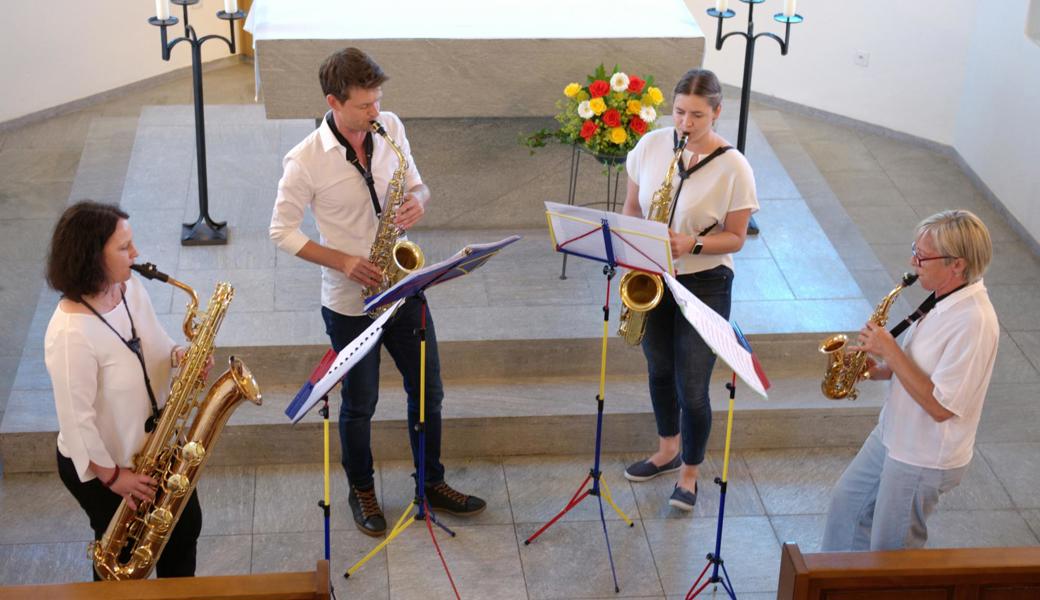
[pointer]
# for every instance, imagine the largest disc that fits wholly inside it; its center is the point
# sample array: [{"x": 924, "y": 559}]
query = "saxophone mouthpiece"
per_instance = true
[
  {"x": 682, "y": 142},
  {"x": 378, "y": 128},
  {"x": 150, "y": 271},
  {"x": 909, "y": 279}
]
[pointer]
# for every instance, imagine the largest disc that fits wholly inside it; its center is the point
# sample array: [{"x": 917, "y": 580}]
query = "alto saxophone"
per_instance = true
[
  {"x": 176, "y": 450},
  {"x": 844, "y": 370},
  {"x": 394, "y": 257},
  {"x": 642, "y": 291}
]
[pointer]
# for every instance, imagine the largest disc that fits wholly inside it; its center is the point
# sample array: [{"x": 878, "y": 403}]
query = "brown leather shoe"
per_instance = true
[
  {"x": 367, "y": 515},
  {"x": 442, "y": 498}
]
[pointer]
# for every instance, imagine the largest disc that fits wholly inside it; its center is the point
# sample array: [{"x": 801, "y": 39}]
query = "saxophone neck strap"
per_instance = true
[
  {"x": 352, "y": 158},
  {"x": 685, "y": 173},
  {"x": 922, "y": 310},
  {"x": 134, "y": 345}
]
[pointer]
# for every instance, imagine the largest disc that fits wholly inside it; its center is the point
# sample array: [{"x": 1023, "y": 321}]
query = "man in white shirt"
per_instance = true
[
  {"x": 338, "y": 171},
  {"x": 925, "y": 436}
]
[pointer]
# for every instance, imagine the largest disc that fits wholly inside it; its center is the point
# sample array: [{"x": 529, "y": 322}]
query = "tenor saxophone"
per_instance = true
[
  {"x": 641, "y": 291},
  {"x": 175, "y": 452},
  {"x": 846, "y": 369},
  {"x": 394, "y": 256}
]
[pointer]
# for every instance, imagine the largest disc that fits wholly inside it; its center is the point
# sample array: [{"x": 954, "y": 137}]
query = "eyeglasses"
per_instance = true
[{"x": 918, "y": 259}]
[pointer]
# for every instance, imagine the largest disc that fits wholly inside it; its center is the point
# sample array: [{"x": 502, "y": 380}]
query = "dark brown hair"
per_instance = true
[
  {"x": 700, "y": 82},
  {"x": 75, "y": 263},
  {"x": 349, "y": 68}
]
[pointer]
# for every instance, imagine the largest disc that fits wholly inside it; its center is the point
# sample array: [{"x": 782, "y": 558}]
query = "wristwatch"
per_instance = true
[{"x": 697, "y": 247}]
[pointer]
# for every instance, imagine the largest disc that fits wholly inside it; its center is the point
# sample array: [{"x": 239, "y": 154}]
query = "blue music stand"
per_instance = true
[{"x": 414, "y": 285}]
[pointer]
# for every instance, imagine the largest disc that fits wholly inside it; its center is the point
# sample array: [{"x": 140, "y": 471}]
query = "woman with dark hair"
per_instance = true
[
  {"x": 713, "y": 201},
  {"x": 110, "y": 363}
]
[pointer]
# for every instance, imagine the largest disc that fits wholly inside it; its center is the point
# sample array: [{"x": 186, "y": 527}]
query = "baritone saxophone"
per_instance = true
[{"x": 175, "y": 452}]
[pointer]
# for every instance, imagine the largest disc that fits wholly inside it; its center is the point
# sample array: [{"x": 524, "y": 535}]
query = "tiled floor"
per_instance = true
[
  {"x": 864, "y": 191},
  {"x": 266, "y": 519}
]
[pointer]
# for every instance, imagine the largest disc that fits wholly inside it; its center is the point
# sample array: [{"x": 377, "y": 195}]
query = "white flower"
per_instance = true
[
  {"x": 619, "y": 82},
  {"x": 584, "y": 110},
  {"x": 648, "y": 114}
]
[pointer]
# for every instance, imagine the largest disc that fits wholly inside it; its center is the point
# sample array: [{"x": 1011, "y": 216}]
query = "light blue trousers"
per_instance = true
[{"x": 883, "y": 504}]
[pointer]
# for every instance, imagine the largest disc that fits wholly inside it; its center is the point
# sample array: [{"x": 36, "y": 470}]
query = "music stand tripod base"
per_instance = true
[{"x": 204, "y": 233}]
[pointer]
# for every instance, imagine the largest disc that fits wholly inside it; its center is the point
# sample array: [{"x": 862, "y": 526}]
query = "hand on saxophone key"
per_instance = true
[
  {"x": 133, "y": 487},
  {"x": 410, "y": 213},
  {"x": 361, "y": 270},
  {"x": 875, "y": 340}
]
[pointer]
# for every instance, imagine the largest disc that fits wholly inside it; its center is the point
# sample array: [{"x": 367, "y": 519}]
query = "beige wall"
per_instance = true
[{"x": 56, "y": 52}]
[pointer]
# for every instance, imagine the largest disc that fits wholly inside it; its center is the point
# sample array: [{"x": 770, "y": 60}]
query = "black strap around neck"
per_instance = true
[
  {"x": 352, "y": 158},
  {"x": 134, "y": 345},
  {"x": 922, "y": 310},
  {"x": 685, "y": 173}
]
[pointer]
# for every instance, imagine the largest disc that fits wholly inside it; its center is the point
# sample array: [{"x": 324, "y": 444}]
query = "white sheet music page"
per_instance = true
[
  {"x": 717, "y": 333},
  {"x": 636, "y": 242}
]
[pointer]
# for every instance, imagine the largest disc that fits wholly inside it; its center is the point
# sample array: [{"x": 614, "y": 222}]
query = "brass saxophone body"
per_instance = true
[
  {"x": 394, "y": 256},
  {"x": 641, "y": 291},
  {"x": 175, "y": 452},
  {"x": 846, "y": 369}
]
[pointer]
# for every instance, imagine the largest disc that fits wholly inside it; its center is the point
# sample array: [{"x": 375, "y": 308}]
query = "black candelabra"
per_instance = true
[
  {"x": 204, "y": 231},
  {"x": 750, "y": 37}
]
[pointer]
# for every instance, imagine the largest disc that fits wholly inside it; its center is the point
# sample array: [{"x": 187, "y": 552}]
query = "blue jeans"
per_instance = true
[
  {"x": 360, "y": 389},
  {"x": 883, "y": 504},
  {"x": 680, "y": 363}
]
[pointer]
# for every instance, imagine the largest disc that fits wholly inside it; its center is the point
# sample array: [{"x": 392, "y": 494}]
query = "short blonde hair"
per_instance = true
[{"x": 960, "y": 234}]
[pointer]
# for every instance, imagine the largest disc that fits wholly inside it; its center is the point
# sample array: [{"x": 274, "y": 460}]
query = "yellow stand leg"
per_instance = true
[
  {"x": 610, "y": 500},
  {"x": 399, "y": 526}
]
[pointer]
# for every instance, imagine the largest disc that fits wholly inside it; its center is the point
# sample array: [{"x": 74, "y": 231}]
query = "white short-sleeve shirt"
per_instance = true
[
  {"x": 317, "y": 175},
  {"x": 99, "y": 390},
  {"x": 724, "y": 185},
  {"x": 956, "y": 344}
]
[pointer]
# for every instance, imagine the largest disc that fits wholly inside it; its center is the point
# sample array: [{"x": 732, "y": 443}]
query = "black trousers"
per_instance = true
[{"x": 101, "y": 503}]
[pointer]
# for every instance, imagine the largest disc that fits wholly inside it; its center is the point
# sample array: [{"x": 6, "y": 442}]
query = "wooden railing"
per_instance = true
[
  {"x": 308, "y": 585},
  {"x": 933, "y": 574}
]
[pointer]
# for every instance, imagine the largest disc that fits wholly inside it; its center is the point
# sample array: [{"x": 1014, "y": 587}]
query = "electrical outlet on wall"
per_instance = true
[{"x": 862, "y": 58}]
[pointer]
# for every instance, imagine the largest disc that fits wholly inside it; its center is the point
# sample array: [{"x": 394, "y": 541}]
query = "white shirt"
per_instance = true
[
  {"x": 99, "y": 390},
  {"x": 724, "y": 185},
  {"x": 317, "y": 175},
  {"x": 956, "y": 344}
]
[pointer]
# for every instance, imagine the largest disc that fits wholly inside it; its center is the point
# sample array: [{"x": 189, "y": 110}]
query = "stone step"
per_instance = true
[{"x": 524, "y": 414}]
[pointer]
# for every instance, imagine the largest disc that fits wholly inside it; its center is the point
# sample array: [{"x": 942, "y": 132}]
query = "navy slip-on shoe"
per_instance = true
[{"x": 645, "y": 470}]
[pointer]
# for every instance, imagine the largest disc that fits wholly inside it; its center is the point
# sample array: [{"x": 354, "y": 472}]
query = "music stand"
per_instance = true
[
  {"x": 729, "y": 344},
  {"x": 616, "y": 240},
  {"x": 414, "y": 285},
  {"x": 330, "y": 370}
]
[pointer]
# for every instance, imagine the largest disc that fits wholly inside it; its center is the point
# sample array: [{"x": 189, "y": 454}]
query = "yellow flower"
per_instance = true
[
  {"x": 597, "y": 105},
  {"x": 634, "y": 106},
  {"x": 656, "y": 97},
  {"x": 618, "y": 135},
  {"x": 571, "y": 90}
]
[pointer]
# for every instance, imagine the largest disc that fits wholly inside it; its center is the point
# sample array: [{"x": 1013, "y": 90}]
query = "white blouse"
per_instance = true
[
  {"x": 99, "y": 389},
  {"x": 724, "y": 185},
  {"x": 956, "y": 344}
]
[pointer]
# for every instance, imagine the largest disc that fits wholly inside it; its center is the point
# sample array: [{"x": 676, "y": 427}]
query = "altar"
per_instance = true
[{"x": 468, "y": 58}]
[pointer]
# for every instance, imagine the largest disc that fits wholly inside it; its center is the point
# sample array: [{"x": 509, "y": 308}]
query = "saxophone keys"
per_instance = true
[
  {"x": 143, "y": 556},
  {"x": 177, "y": 485},
  {"x": 193, "y": 453},
  {"x": 160, "y": 520}
]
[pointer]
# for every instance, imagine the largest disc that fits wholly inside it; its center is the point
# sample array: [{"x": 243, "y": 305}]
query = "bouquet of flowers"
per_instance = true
[{"x": 607, "y": 116}]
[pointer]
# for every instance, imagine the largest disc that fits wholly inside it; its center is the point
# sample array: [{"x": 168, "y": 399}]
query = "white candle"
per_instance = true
[
  {"x": 230, "y": 6},
  {"x": 789, "y": 8},
  {"x": 721, "y": 5},
  {"x": 162, "y": 9}
]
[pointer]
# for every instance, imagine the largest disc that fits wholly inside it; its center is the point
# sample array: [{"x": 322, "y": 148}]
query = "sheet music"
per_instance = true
[
  {"x": 717, "y": 333},
  {"x": 346, "y": 359},
  {"x": 636, "y": 242}
]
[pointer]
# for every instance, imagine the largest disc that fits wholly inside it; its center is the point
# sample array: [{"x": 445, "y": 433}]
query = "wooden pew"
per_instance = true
[
  {"x": 307, "y": 585},
  {"x": 939, "y": 574}
]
